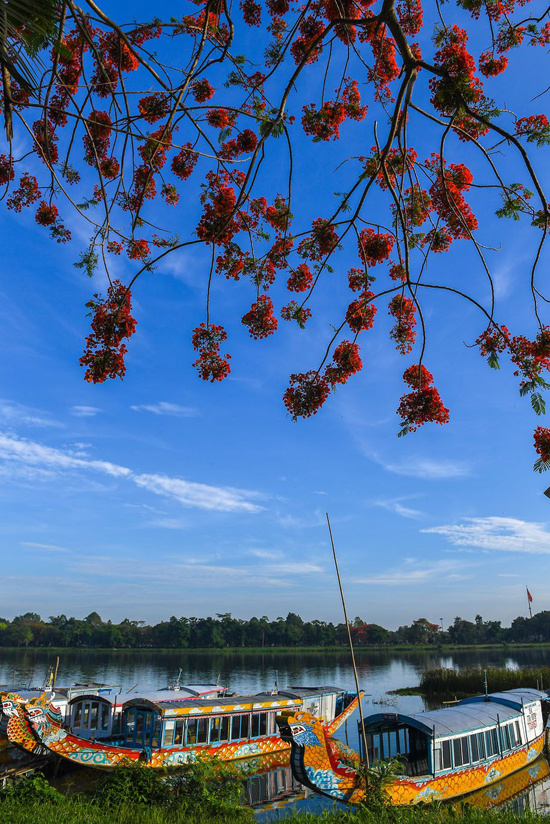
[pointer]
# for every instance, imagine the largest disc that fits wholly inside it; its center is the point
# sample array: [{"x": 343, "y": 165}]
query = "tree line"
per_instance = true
[{"x": 224, "y": 631}]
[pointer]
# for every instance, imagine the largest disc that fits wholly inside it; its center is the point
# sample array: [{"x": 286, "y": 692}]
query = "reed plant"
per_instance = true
[{"x": 471, "y": 680}]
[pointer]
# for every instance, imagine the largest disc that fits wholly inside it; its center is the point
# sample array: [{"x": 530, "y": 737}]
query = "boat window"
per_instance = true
[
  {"x": 259, "y": 724},
  {"x": 219, "y": 729},
  {"x": 506, "y": 743},
  {"x": 129, "y": 724},
  {"x": 518, "y": 732},
  {"x": 240, "y": 727},
  {"x": 77, "y": 714},
  {"x": 86, "y": 715},
  {"x": 460, "y": 750},
  {"x": 93, "y": 715},
  {"x": 179, "y": 733},
  {"x": 491, "y": 742},
  {"x": 481, "y": 745},
  {"x": 474, "y": 748},
  {"x": 104, "y": 724},
  {"x": 446, "y": 755},
  {"x": 155, "y": 738},
  {"x": 169, "y": 733},
  {"x": 202, "y": 730}
]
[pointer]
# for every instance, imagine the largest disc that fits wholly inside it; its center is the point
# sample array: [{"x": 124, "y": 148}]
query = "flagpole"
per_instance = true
[{"x": 529, "y": 599}]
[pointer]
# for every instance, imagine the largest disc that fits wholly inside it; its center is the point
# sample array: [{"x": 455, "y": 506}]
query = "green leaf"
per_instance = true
[
  {"x": 541, "y": 466},
  {"x": 493, "y": 361},
  {"x": 538, "y": 403}
]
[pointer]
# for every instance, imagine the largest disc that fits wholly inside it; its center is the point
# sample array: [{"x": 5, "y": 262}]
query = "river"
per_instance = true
[{"x": 243, "y": 672}]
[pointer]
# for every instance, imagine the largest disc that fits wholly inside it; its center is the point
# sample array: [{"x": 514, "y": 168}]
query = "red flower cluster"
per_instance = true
[
  {"x": 385, "y": 68},
  {"x": 6, "y": 170},
  {"x": 260, "y": 319},
  {"x": 491, "y": 66},
  {"x": 360, "y": 313},
  {"x": 542, "y": 446},
  {"x": 303, "y": 48},
  {"x": 536, "y": 128},
  {"x": 301, "y": 279},
  {"x": 324, "y": 124},
  {"x": 184, "y": 162},
  {"x": 358, "y": 280},
  {"x": 306, "y": 394},
  {"x": 137, "y": 249},
  {"x": 27, "y": 193},
  {"x": 46, "y": 214},
  {"x": 202, "y": 90},
  {"x": 45, "y": 139},
  {"x": 219, "y": 118},
  {"x": 210, "y": 364},
  {"x": 374, "y": 247},
  {"x": 218, "y": 224},
  {"x": 447, "y": 198},
  {"x": 279, "y": 215},
  {"x": 112, "y": 323},
  {"x": 398, "y": 272},
  {"x": 410, "y": 15},
  {"x": 98, "y": 136},
  {"x": 118, "y": 54},
  {"x": 232, "y": 262},
  {"x": 352, "y": 100},
  {"x": 417, "y": 206},
  {"x": 423, "y": 404},
  {"x": 459, "y": 84},
  {"x": 345, "y": 363},
  {"x": 154, "y": 107},
  {"x": 252, "y": 12},
  {"x": 321, "y": 242},
  {"x": 292, "y": 311},
  {"x": 245, "y": 142},
  {"x": 404, "y": 311}
]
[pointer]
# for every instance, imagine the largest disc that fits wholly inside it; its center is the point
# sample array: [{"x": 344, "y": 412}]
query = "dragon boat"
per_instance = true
[
  {"x": 90, "y": 711},
  {"x": 160, "y": 733},
  {"x": 443, "y": 754}
]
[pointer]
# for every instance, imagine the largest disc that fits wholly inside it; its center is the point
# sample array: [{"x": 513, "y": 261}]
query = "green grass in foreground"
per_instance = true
[{"x": 81, "y": 812}]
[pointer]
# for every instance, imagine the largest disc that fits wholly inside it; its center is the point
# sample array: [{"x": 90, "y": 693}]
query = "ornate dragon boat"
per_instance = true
[
  {"x": 162, "y": 733},
  {"x": 443, "y": 754}
]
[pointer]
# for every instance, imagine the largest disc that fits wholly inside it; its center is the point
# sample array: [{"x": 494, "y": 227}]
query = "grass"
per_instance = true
[
  {"x": 81, "y": 812},
  {"x": 449, "y": 683}
]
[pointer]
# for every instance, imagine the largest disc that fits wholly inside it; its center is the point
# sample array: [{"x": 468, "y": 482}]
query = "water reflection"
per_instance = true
[{"x": 244, "y": 672}]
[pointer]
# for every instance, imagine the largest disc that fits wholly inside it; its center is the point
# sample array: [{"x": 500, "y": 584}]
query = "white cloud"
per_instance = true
[
  {"x": 413, "y": 573},
  {"x": 85, "y": 411},
  {"x": 496, "y": 533},
  {"x": 165, "y": 408},
  {"x": 47, "y": 547},
  {"x": 429, "y": 469},
  {"x": 18, "y": 415},
  {"x": 224, "y": 499},
  {"x": 19, "y": 452},
  {"x": 395, "y": 505}
]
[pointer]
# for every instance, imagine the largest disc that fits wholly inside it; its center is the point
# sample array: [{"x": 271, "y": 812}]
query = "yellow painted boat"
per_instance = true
[
  {"x": 444, "y": 754},
  {"x": 161, "y": 734}
]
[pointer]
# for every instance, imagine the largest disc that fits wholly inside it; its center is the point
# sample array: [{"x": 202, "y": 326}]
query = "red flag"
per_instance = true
[{"x": 529, "y": 596}]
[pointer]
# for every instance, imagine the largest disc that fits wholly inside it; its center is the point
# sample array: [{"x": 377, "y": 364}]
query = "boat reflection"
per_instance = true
[{"x": 271, "y": 787}]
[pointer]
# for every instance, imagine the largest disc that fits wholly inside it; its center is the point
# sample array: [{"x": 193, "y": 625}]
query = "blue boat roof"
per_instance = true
[{"x": 467, "y": 716}]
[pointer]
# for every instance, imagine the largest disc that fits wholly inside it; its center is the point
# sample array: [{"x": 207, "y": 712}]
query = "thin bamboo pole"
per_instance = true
[{"x": 355, "y": 675}]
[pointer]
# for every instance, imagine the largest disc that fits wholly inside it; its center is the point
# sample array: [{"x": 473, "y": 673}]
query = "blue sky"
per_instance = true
[{"x": 163, "y": 495}]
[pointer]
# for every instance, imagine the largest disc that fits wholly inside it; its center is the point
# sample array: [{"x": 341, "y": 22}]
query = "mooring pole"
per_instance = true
[{"x": 350, "y": 644}]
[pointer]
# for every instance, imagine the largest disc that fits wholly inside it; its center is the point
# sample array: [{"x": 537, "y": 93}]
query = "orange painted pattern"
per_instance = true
[
  {"x": 35, "y": 728},
  {"x": 332, "y": 772}
]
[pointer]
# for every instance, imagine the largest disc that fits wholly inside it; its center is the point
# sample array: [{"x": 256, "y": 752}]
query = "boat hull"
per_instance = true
[
  {"x": 40, "y": 730},
  {"x": 318, "y": 763}
]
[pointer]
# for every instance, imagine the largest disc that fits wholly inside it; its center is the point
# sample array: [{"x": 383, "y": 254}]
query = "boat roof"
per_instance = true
[
  {"x": 235, "y": 703},
  {"x": 166, "y": 695},
  {"x": 467, "y": 716},
  {"x": 512, "y": 698}
]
